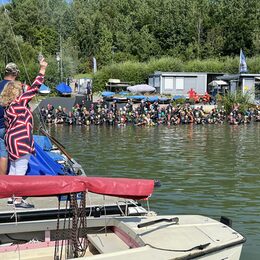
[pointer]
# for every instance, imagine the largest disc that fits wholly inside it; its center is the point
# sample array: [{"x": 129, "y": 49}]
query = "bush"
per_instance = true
[
  {"x": 179, "y": 101},
  {"x": 234, "y": 98},
  {"x": 134, "y": 72},
  {"x": 210, "y": 65},
  {"x": 130, "y": 71},
  {"x": 165, "y": 64}
]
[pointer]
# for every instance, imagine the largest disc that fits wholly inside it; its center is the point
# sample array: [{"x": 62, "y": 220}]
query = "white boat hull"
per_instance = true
[{"x": 114, "y": 238}]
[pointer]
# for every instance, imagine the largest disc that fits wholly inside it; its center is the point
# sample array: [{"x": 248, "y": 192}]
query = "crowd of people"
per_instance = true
[{"x": 145, "y": 114}]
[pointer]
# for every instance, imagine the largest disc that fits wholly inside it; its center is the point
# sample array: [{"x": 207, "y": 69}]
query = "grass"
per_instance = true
[{"x": 82, "y": 76}]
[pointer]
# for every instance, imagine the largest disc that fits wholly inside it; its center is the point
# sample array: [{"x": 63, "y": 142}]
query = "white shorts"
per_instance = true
[{"x": 19, "y": 166}]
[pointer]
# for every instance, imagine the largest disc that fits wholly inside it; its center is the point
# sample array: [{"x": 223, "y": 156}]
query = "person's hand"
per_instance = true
[{"x": 43, "y": 64}]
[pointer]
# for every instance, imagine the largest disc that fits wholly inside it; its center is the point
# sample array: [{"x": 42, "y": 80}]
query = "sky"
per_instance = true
[{"x": 4, "y": 1}]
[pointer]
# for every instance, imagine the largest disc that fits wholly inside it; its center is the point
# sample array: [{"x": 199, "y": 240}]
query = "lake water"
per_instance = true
[{"x": 211, "y": 170}]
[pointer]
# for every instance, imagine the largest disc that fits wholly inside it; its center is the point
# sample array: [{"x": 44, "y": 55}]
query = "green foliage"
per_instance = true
[
  {"x": 82, "y": 76},
  {"x": 236, "y": 98},
  {"x": 179, "y": 101},
  {"x": 254, "y": 64},
  {"x": 165, "y": 35},
  {"x": 209, "y": 65},
  {"x": 165, "y": 64},
  {"x": 52, "y": 75}
]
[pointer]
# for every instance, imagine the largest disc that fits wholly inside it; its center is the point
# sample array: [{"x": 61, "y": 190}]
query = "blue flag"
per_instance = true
[{"x": 242, "y": 62}]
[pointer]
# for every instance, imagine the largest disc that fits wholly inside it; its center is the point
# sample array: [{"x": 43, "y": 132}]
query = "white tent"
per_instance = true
[
  {"x": 141, "y": 88},
  {"x": 218, "y": 83}
]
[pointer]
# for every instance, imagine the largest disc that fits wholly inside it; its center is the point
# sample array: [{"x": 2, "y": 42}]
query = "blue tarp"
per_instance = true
[
  {"x": 43, "y": 164},
  {"x": 123, "y": 93},
  {"x": 178, "y": 97},
  {"x": 163, "y": 99},
  {"x": 153, "y": 99},
  {"x": 107, "y": 94},
  {"x": 63, "y": 88},
  {"x": 44, "y": 89},
  {"x": 43, "y": 141},
  {"x": 55, "y": 156},
  {"x": 137, "y": 97}
]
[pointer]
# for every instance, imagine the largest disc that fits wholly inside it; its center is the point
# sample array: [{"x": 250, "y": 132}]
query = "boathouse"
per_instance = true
[
  {"x": 247, "y": 83},
  {"x": 179, "y": 83}
]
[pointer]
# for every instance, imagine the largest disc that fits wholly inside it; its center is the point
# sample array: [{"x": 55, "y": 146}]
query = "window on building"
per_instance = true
[
  {"x": 157, "y": 82},
  {"x": 179, "y": 83},
  {"x": 257, "y": 89},
  {"x": 168, "y": 82},
  {"x": 151, "y": 81}
]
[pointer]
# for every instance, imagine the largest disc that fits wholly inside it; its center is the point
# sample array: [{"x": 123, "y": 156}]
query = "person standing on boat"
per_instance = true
[
  {"x": 11, "y": 73},
  {"x": 19, "y": 126}
]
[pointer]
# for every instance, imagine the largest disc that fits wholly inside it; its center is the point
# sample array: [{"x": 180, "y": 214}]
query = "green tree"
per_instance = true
[{"x": 105, "y": 46}]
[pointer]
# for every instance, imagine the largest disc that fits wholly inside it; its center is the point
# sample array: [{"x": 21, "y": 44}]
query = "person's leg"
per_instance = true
[
  {"x": 3, "y": 154},
  {"x": 19, "y": 168},
  {"x": 3, "y": 165},
  {"x": 12, "y": 172}
]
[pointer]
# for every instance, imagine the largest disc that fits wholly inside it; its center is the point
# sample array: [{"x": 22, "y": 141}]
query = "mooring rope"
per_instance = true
[{"x": 78, "y": 241}]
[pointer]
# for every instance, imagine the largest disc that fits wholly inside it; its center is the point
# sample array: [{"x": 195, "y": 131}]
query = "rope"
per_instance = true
[
  {"x": 198, "y": 247},
  {"x": 56, "y": 249},
  {"x": 148, "y": 205},
  {"x": 105, "y": 211},
  {"x": 78, "y": 246}
]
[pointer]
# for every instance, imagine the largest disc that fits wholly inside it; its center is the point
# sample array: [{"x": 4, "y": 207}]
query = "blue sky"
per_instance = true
[{"x": 4, "y": 1}]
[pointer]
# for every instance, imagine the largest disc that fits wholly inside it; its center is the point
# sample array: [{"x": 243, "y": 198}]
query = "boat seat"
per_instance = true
[{"x": 107, "y": 243}]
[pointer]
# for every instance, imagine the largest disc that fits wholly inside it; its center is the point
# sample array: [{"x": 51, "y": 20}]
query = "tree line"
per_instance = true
[{"x": 121, "y": 31}]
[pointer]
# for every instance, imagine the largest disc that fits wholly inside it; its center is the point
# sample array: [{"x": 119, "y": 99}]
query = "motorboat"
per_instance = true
[{"x": 128, "y": 234}]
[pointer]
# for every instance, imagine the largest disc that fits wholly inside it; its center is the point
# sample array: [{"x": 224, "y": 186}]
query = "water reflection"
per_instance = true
[{"x": 209, "y": 170}]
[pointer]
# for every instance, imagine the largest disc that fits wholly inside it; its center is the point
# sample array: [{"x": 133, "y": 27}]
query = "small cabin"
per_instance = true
[
  {"x": 247, "y": 83},
  {"x": 179, "y": 83}
]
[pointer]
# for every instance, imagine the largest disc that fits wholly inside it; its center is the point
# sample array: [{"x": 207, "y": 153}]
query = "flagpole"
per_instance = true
[{"x": 239, "y": 66}]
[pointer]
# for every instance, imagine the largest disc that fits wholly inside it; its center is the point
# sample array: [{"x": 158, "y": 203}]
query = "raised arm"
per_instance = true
[
  {"x": 26, "y": 97},
  {"x": 40, "y": 78}
]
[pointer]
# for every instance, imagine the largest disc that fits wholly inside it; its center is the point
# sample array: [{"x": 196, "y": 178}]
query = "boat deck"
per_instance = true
[{"x": 44, "y": 203}]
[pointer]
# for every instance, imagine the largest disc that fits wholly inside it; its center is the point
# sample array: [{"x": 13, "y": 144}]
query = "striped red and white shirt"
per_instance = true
[{"x": 19, "y": 122}]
